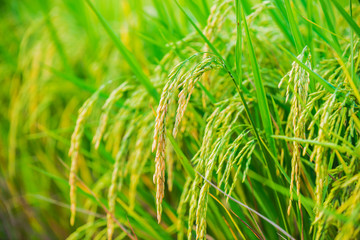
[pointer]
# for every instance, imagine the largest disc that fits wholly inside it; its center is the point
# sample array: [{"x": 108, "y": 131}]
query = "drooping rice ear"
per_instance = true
[{"x": 75, "y": 146}]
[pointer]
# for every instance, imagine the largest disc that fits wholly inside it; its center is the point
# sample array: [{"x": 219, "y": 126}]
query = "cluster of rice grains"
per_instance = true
[
  {"x": 336, "y": 169},
  {"x": 299, "y": 79},
  {"x": 178, "y": 79},
  {"x": 321, "y": 124},
  {"x": 224, "y": 146},
  {"x": 75, "y": 147},
  {"x": 325, "y": 118},
  {"x": 118, "y": 138}
]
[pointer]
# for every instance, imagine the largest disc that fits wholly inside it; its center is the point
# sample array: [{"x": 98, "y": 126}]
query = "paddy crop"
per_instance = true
[{"x": 180, "y": 119}]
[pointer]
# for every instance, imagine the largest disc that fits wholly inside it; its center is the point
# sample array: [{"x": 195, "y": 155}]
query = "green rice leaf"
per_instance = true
[{"x": 127, "y": 55}]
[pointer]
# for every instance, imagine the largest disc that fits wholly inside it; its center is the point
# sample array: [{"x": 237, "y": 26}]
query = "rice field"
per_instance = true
[{"x": 180, "y": 119}]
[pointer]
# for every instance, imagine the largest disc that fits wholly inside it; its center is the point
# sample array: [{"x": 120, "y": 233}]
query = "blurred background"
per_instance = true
[{"x": 53, "y": 55}]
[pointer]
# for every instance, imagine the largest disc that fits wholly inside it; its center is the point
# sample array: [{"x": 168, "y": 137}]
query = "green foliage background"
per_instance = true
[{"x": 206, "y": 76}]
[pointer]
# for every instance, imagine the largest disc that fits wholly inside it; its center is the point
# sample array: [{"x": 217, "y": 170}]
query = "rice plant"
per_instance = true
[{"x": 183, "y": 119}]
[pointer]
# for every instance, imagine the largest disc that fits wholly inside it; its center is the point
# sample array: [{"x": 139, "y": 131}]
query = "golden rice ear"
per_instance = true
[
  {"x": 159, "y": 139},
  {"x": 187, "y": 80},
  {"x": 74, "y": 151},
  {"x": 106, "y": 108},
  {"x": 299, "y": 79},
  {"x": 188, "y": 84}
]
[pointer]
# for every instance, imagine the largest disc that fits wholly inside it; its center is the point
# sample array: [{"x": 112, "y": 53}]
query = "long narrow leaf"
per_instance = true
[
  {"x": 260, "y": 91},
  {"x": 347, "y": 17},
  {"x": 328, "y": 14},
  {"x": 248, "y": 208},
  {"x": 294, "y": 27},
  {"x": 238, "y": 56},
  {"x": 128, "y": 56}
]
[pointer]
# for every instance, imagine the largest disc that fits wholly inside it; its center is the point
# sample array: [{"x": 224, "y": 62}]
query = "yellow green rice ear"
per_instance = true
[{"x": 163, "y": 119}]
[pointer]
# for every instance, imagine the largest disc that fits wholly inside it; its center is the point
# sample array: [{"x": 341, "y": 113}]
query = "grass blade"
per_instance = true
[
  {"x": 128, "y": 56},
  {"x": 347, "y": 17},
  {"x": 328, "y": 14},
  {"x": 238, "y": 50},
  {"x": 342, "y": 149},
  {"x": 299, "y": 43},
  {"x": 250, "y": 209},
  {"x": 183, "y": 159},
  {"x": 260, "y": 91}
]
